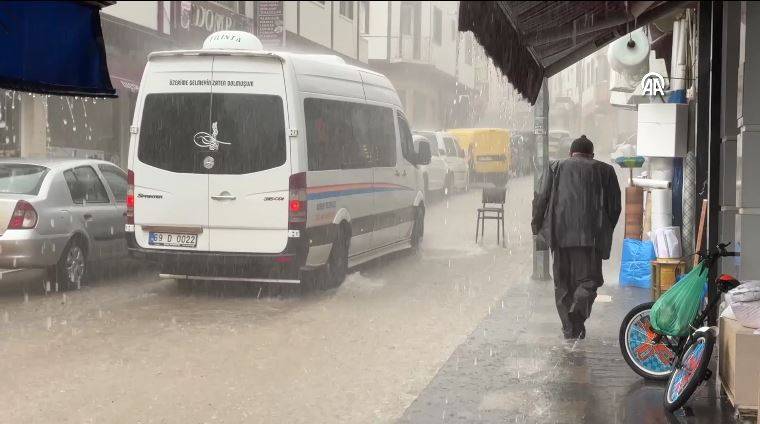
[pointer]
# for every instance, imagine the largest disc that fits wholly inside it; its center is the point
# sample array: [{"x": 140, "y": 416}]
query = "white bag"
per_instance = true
[
  {"x": 745, "y": 303},
  {"x": 667, "y": 242}
]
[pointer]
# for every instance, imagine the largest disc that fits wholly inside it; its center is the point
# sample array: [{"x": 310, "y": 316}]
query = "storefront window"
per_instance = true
[
  {"x": 10, "y": 110},
  {"x": 83, "y": 128}
]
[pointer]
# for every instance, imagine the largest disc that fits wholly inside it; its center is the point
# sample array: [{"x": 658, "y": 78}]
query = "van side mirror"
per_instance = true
[{"x": 423, "y": 153}]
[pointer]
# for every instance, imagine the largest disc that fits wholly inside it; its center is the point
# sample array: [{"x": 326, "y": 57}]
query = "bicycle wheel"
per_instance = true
[
  {"x": 653, "y": 361},
  {"x": 690, "y": 372}
]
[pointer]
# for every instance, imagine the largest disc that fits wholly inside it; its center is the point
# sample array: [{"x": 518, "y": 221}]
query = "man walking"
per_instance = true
[{"x": 575, "y": 211}]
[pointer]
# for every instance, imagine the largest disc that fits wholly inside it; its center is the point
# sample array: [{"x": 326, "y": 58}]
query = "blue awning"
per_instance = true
[{"x": 53, "y": 47}]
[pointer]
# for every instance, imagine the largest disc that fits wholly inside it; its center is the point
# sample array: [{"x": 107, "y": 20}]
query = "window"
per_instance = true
[
  {"x": 116, "y": 180},
  {"x": 17, "y": 178},
  {"x": 383, "y": 134},
  {"x": 249, "y": 130},
  {"x": 347, "y": 9},
  {"x": 437, "y": 26},
  {"x": 364, "y": 16},
  {"x": 407, "y": 142},
  {"x": 406, "y": 19},
  {"x": 254, "y": 127},
  {"x": 85, "y": 186},
  {"x": 346, "y": 135}
]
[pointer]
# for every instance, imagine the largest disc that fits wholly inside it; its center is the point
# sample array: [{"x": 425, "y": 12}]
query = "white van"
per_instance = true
[{"x": 248, "y": 165}]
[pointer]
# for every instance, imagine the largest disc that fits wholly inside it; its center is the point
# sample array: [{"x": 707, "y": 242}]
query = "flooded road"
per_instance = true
[{"x": 134, "y": 348}]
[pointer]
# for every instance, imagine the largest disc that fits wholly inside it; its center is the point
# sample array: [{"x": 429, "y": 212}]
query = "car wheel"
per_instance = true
[
  {"x": 334, "y": 272},
  {"x": 418, "y": 228},
  {"x": 72, "y": 266},
  {"x": 337, "y": 263}
]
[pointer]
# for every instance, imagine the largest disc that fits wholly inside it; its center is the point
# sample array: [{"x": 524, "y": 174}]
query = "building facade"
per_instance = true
[
  {"x": 580, "y": 104},
  {"x": 433, "y": 66},
  {"x": 443, "y": 76}
]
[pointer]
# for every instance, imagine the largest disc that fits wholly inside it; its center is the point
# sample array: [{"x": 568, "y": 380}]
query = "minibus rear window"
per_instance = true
[{"x": 244, "y": 133}]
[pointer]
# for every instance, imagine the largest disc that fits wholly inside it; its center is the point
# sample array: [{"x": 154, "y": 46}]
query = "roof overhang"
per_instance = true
[{"x": 533, "y": 40}]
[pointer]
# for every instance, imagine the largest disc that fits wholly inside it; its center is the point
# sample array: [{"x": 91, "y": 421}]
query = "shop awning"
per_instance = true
[
  {"x": 53, "y": 47},
  {"x": 530, "y": 40}
]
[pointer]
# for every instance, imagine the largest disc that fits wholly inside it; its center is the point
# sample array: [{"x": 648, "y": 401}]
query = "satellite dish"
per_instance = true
[{"x": 232, "y": 40}]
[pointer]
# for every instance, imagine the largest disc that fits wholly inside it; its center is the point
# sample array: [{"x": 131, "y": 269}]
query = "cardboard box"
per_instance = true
[{"x": 739, "y": 367}]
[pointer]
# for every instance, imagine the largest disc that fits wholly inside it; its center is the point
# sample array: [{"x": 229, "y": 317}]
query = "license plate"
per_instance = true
[{"x": 172, "y": 239}]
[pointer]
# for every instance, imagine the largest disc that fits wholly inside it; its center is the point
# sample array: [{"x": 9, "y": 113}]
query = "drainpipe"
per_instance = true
[
  {"x": 358, "y": 20},
  {"x": 540, "y": 165},
  {"x": 388, "y": 50}
]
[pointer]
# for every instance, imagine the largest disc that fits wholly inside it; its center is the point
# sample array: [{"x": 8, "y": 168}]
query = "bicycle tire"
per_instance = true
[
  {"x": 707, "y": 340},
  {"x": 625, "y": 342}
]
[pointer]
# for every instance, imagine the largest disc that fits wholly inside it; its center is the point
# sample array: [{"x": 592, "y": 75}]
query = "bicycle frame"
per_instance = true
[{"x": 709, "y": 259}]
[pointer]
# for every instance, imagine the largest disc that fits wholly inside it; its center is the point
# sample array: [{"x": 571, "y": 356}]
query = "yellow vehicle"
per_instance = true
[{"x": 487, "y": 149}]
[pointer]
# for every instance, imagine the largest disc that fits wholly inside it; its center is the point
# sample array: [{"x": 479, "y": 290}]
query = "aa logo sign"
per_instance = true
[{"x": 653, "y": 84}]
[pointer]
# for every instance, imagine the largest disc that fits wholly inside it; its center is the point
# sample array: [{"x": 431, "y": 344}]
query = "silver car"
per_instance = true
[{"x": 60, "y": 214}]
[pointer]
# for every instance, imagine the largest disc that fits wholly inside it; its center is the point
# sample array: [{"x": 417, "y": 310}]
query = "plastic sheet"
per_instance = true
[
  {"x": 667, "y": 242},
  {"x": 662, "y": 208},
  {"x": 744, "y": 301},
  {"x": 636, "y": 263},
  {"x": 651, "y": 183}
]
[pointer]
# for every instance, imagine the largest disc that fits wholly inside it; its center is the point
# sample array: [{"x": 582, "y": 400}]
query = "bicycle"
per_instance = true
[{"x": 683, "y": 361}]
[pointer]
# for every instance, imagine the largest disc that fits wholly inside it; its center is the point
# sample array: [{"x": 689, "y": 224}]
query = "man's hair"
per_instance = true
[{"x": 582, "y": 145}]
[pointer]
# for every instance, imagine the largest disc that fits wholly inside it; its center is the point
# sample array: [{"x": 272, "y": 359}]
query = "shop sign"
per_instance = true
[
  {"x": 270, "y": 23},
  {"x": 196, "y": 20}
]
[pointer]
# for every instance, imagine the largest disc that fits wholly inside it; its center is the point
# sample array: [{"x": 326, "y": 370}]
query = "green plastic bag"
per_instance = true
[{"x": 675, "y": 310}]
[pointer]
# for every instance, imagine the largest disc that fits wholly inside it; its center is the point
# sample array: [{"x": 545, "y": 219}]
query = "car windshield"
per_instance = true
[{"x": 21, "y": 178}]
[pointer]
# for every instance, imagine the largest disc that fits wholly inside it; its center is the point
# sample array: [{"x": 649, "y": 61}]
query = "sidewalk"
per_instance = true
[{"x": 515, "y": 367}]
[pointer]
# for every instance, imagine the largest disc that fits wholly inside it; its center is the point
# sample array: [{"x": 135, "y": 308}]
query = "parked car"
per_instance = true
[
  {"x": 489, "y": 153},
  {"x": 434, "y": 174},
  {"x": 457, "y": 175},
  {"x": 293, "y": 170},
  {"x": 60, "y": 214}
]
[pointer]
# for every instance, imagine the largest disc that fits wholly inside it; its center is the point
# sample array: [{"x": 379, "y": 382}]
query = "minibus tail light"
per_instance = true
[
  {"x": 297, "y": 202},
  {"x": 130, "y": 201}
]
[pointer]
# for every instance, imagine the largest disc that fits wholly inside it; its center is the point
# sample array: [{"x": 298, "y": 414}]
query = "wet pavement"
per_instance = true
[
  {"x": 515, "y": 367},
  {"x": 456, "y": 333}
]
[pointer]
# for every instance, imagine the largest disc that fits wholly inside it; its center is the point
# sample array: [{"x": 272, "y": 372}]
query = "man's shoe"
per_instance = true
[{"x": 582, "y": 334}]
